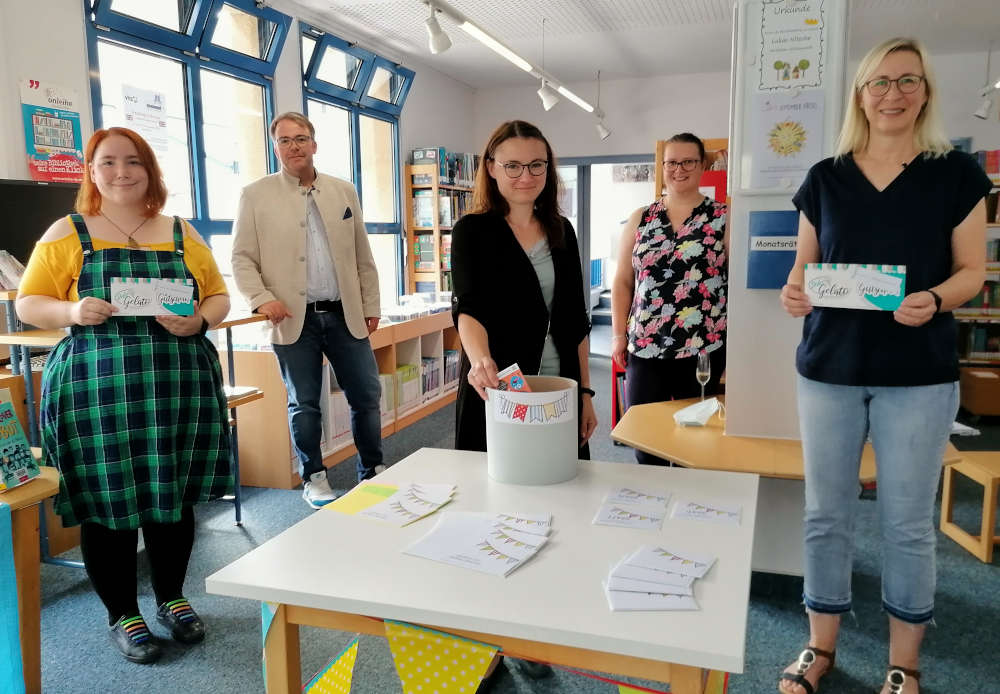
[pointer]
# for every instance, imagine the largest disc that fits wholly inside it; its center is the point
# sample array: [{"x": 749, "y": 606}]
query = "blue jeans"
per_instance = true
[
  {"x": 909, "y": 429},
  {"x": 353, "y": 363}
]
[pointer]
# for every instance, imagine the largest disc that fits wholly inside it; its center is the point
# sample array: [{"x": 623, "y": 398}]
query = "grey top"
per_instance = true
[{"x": 541, "y": 259}]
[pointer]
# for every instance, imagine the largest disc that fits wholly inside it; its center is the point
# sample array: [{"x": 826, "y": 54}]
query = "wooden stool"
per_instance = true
[{"x": 984, "y": 468}]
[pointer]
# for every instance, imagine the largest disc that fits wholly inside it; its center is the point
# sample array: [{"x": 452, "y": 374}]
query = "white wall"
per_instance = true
[
  {"x": 638, "y": 112},
  {"x": 54, "y": 51}
]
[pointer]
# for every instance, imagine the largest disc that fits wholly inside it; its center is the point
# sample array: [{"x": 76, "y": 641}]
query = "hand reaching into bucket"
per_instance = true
[{"x": 483, "y": 375}]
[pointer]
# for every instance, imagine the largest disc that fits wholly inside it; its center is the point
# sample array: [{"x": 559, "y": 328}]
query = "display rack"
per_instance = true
[{"x": 428, "y": 258}]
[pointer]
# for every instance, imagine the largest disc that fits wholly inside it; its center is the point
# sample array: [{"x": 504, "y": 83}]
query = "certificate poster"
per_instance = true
[
  {"x": 52, "y": 140},
  {"x": 786, "y": 137},
  {"x": 791, "y": 51},
  {"x": 145, "y": 112}
]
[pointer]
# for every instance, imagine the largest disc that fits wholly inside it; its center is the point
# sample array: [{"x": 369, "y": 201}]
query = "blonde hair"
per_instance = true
[{"x": 928, "y": 135}]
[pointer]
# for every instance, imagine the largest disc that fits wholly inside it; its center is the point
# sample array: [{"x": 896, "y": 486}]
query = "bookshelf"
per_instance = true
[{"x": 433, "y": 208}]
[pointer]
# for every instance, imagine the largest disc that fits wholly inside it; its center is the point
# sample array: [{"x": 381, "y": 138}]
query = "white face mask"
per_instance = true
[{"x": 698, "y": 414}]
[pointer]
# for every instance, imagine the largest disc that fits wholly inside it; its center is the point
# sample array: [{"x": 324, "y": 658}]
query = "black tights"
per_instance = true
[{"x": 110, "y": 559}]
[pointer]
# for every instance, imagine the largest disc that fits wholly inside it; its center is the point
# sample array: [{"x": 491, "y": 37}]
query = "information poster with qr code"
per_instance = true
[{"x": 52, "y": 138}]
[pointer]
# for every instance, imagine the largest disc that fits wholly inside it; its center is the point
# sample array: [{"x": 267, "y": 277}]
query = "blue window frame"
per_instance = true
[
  {"x": 191, "y": 46},
  {"x": 367, "y": 86}
]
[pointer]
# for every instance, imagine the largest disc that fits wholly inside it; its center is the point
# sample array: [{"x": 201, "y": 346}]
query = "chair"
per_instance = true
[{"x": 984, "y": 468}]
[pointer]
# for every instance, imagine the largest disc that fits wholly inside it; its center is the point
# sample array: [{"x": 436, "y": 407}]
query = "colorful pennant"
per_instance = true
[
  {"x": 336, "y": 677},
  {"x": 432, "y": 661}
]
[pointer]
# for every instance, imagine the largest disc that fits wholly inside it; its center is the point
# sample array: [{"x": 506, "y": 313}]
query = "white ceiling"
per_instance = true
[{"x": 625, "y": 38}]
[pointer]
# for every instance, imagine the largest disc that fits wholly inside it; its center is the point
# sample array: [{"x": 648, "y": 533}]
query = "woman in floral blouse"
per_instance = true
[{"x": 668, "y": 300}]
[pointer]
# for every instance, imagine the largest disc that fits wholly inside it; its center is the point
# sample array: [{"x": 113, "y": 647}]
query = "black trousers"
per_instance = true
[
  {"x": 110, "y": 559},
  {"x": 656, "y": 380}
]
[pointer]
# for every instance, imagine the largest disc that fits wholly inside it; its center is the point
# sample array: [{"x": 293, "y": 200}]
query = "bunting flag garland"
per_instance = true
[
  {"x": 336, "y": 677},
  {"x": 432, "y": 661},
  {"x": 529, "y": 409},
  {"x": 267, "y": 612},
  {"x": 494, "y": 552}
]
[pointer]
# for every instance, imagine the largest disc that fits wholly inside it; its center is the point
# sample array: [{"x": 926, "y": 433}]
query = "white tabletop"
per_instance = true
[{"x": 332, "y": 561}]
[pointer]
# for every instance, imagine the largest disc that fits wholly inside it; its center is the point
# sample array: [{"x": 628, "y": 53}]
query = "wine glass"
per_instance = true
[{"x": 703, "y": 371}]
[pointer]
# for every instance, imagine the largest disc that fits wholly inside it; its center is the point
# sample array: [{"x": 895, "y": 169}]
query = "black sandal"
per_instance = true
[
  {"x": 896, "y": 678},
  {"x": 807, "y": 658}
]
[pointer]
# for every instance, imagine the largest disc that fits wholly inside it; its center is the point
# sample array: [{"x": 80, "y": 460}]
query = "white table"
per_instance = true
[{"x": 552, "y": 609}]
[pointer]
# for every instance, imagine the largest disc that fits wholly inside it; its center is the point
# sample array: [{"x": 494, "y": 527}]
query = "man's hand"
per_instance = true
[
  {"x": 275, "y": 311},
  {"x": 372, "y": 324}
]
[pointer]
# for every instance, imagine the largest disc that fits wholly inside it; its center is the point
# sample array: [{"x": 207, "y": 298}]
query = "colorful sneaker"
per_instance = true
[
  {"x": 316, "y": 491},
  {"x": 132, "y": 637},
  {"x": 183, "y": 622}
]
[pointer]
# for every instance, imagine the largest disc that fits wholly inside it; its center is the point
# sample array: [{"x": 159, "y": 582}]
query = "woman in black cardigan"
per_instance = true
[{"x": 518, "y": 284}]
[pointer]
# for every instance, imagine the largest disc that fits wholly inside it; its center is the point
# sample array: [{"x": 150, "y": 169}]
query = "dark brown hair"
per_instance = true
[
  {"x": 486, "y": 195},
  {"x": 691, "y": 139},
  {"x": 88, "y": 198}
]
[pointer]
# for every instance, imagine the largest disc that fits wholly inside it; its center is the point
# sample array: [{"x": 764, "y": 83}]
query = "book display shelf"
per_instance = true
[{"x": 433, "y": 208}]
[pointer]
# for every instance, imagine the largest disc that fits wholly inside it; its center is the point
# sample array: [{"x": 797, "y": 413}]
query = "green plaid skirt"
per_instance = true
[{"x": 134, "y": 417}]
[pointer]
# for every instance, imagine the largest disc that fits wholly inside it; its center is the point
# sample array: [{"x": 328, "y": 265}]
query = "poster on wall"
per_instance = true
[
  {"x": 145, "y": 112},
  {"x": 52, "y": 139},
  {"x": 791, "y": 50},
  {"x": 786, "y": 133}
]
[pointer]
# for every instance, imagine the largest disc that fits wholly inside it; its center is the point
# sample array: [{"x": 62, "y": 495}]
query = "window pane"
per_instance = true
[
  {"x": 235, "y": 140},
  {"x": 170, "y": 15},
  {"x": 333, "y": 139},
  {"x": 385, "y": 85},
  {"x": 308, "y": 46},
  {"x": 243, "y": 32},
  {"x": 615, "y": 189},
  {"x": 339, "y": 68},
  {"x": 128, "y": 72},
  {"x": 385, "y": 254},
  {"x": 377, "y": 167}
]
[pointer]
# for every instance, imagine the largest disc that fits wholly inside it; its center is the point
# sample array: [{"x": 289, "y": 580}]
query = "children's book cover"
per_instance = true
[{"x": 17, "y": 465}]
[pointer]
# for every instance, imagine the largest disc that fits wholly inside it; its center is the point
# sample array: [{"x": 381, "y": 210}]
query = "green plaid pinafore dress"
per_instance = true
[{"x": 134, "y": 417}]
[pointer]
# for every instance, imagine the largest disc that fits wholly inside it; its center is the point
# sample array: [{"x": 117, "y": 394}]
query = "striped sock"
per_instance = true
[
  {"x": 181, "y": 609},
  {"x": 135, "y": 628}
]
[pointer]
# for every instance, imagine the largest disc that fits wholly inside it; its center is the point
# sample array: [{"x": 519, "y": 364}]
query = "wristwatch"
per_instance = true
[
  {"x": 587, "y": 391},
  {"x": 937, "y": 300},
  {"x": 204, "y": 326}
]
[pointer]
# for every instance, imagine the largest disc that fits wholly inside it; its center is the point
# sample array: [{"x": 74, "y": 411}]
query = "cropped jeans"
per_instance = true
[{"x": 909, "y": 429}]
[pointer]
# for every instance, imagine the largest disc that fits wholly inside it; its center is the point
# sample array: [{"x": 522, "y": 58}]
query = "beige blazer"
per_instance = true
[{"x": 269, "y": 250}]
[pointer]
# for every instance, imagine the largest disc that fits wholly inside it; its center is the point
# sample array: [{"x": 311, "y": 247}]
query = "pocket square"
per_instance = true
[{"x": 348, "y": 214}]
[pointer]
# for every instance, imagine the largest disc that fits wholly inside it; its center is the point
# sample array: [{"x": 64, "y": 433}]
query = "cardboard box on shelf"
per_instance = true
[{"x": 980, "y": 389}]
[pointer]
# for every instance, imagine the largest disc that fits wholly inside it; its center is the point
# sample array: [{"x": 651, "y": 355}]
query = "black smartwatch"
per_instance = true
[
  {"x": 204, "y": 326},
  {"x": 937, "y": 300},
  {"x": 587, "y": 391}
]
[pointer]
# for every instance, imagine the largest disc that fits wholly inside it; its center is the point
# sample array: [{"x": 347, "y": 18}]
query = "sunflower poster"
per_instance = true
[{"x": 786, "y": 137}]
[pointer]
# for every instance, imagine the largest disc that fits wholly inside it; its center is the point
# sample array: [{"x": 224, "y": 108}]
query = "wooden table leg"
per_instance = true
[
  {"x": 24, "y": 522},
  {"x": 685, "y": 679},
  {"x": 282, "y": 661}
]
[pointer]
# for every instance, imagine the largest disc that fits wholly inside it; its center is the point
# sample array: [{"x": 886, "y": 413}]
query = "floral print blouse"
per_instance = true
[{"x": 679, "y": 305}]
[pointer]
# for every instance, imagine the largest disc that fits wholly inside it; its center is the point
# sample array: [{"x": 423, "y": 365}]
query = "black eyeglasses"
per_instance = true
[
  {"x": 514, "y": 169},
  {"x": 686, "y": 164},
  {"x": 907, "y": 84},
  {"x": 300, "y": 140}
]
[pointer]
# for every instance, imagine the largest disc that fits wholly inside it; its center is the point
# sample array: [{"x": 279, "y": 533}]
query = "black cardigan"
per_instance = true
[{"x": 495, "y": 283}]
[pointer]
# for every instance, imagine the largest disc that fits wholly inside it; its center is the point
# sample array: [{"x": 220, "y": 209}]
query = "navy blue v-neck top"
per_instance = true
[{"x": 908, "y": 223}]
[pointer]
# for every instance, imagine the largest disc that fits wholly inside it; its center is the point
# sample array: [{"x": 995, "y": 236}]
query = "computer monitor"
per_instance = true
[{"x": 27, "y": 209}]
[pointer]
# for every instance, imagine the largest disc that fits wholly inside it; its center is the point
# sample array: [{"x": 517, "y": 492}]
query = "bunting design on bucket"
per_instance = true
[
  {"x": 336, "y": 677},
  {"x": 432, "y": 661},
  {"x": 543, "y": 408}
]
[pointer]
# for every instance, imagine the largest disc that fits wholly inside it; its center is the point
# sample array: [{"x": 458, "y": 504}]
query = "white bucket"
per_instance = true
[{"x": 532, "y": 438}]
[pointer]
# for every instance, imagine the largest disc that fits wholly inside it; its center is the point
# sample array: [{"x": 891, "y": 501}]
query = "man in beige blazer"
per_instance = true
[{"x": 301, "y": 257}]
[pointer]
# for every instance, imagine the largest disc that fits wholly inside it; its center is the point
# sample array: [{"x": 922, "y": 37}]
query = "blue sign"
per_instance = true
[{"x": 773, "y": 235}]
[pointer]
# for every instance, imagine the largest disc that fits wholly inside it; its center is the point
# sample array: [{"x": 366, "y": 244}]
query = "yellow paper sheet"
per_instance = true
[{"x": 361, "y": 497}]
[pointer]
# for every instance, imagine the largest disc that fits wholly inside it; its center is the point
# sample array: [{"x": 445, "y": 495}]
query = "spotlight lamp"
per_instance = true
[
  {"x": 602, "y": 130},
  {"x": 548, "y": 96},
  {"x": 437, "y": 40},
  {"x": 984, "y": 109}
]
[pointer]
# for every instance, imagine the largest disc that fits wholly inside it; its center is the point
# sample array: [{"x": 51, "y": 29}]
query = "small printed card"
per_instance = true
[
  {"x": 627, "y": 601},
  {"x": 638, "y": 497},
  {"x": 673, "y": 560},
  {"x": 17, "y": 465},
  {"x": 626, "y": 507},
  {"x": 136, "y": 296},
  {"x": 511, "y": 378},
  {"x": 849, "y": 285},
  {"x": 686, "y": 509}
]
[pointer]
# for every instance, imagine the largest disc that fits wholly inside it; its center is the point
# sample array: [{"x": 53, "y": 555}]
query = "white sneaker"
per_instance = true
[
  {"x": 379, "y": 469},
  {"x": 316, "y": 491}
]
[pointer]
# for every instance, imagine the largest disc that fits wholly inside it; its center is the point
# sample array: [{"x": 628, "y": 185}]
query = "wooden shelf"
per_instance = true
[
  {"x": 241, "y": 395},
  {"x": 8, "y": 294},
  {"x": 441, "y": 186},
  {"x": 415, "y": 274},
  {"x": 33, "y": 338},
  {"x": 232, "y": 322},
  {"x": 985, "y": 362}
]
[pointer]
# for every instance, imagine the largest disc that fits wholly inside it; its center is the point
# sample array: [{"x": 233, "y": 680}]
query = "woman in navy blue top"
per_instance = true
[{"x": 896, "y": 194}]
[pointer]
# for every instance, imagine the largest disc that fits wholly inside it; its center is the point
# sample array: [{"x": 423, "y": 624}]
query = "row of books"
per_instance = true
[
  {"x": 423, "y": 252},
  {"x": 989, "y": 159},
  {"x": 987, "y": 299},
  {"x": 451, "y": 206},
  {"x": 981, "y": 340},
  {"x": 454, "y": 168}
]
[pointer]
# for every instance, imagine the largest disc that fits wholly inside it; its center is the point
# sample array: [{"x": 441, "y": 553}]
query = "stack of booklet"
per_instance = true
[
  {"x": 493, "y": 543},
  {"x": 410, "y": 503},
  {"x": 627, "y": 507},
  {"x": 656, "y": 578}
]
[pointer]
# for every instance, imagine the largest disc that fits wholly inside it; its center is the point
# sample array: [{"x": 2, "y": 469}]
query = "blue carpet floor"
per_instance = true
[{"x": 959, "y": 654}]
